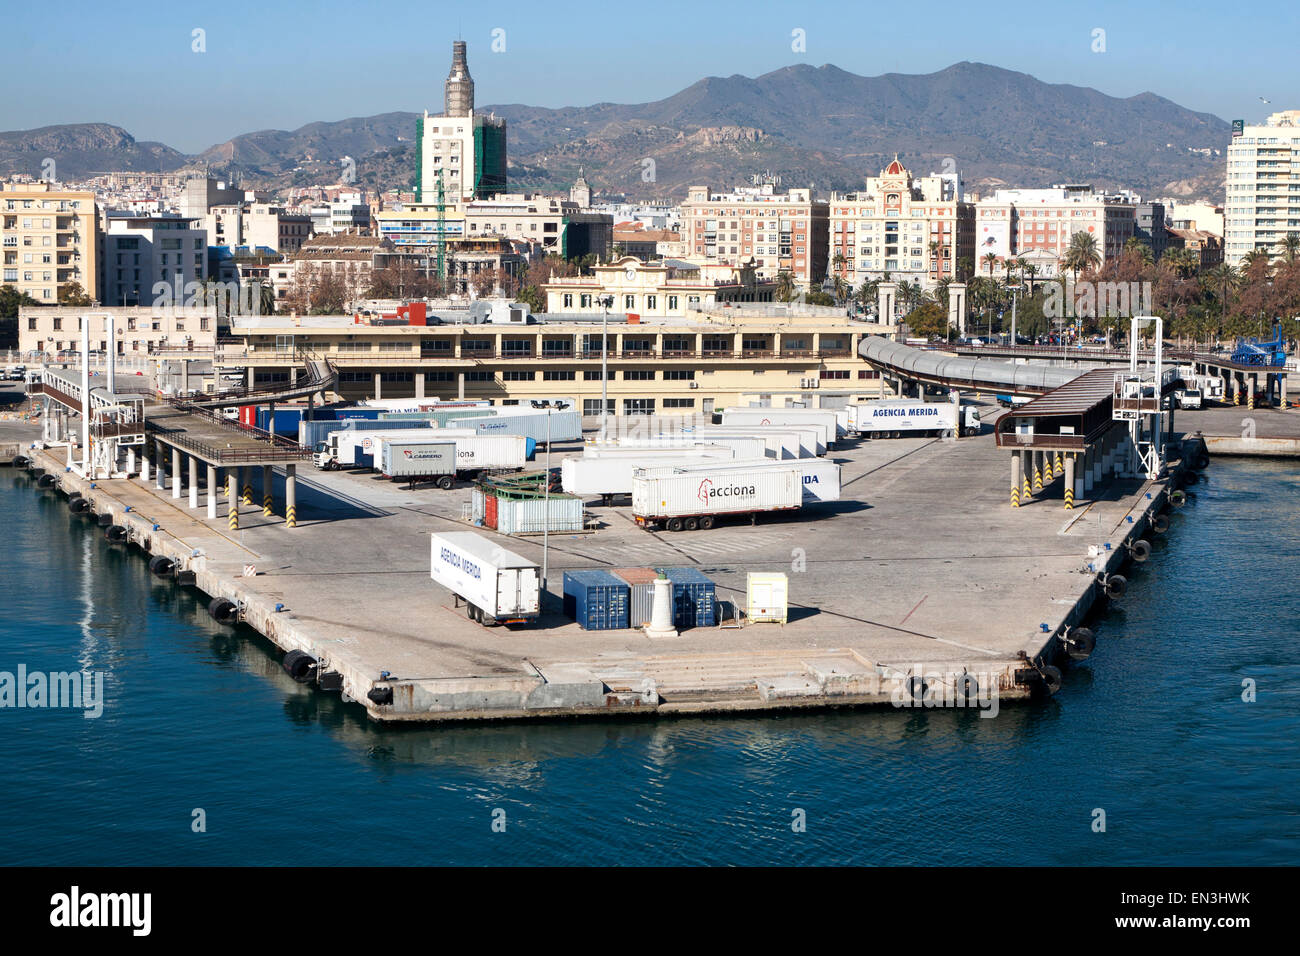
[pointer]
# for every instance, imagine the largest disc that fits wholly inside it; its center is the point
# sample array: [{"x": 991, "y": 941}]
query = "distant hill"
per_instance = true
[{"x": 819, "y": 125}]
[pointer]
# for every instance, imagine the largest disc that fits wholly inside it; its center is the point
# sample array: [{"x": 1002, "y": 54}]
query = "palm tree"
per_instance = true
[
  {"x": 1254, "y": 256},
  {"x": 1029, "y": 270},
  {"x": 1290, "y": 247},
  {"x": 1082, "y": 254},
  {"x": 1224, "y": 279},
  {"x": 785, "y": 287},
  {"x": 990, "y": 260},
  {"x": 867, "y": 292},
  {"x": 1141, "y": 247}
]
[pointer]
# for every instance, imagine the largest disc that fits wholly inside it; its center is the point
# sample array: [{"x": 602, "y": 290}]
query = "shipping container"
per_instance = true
[
  {"x": 741, "y": 446},
  {"x": 694, "y": 598},
  {"x": 895, "y": 418},
  {"x": 696, "y": 500},
  {"x": 530, "y": 515},
  {"x": 351, "y": 448},
  {"x": 474, "y": 453},
  {"x": 564, "y": 426},
  {"x": 497, "y": 585},
  {"x": 436, "y": 419},
  {"x": 840, "y": 413},
  {"x": 641, "y": 590},
  {"x": 767, "y": 597},
  {"x": 820, "y": 476},
  {"x": 610, "y": 476},
  {"x": 430, "y": 460},
  {"x": 596, "y": 599},
  {"x": 825, "y": 420},
  {"x": 783, "y": 441},
  {"x": 380, "y": 405}
]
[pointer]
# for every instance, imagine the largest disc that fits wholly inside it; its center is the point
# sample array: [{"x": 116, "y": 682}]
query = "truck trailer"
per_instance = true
[
  {"x": 608, "y": 475},
  {"x": 910, "y": 418},
  {"x": 821, "y": 476},
  {"x": 697, "y": 499},
  {"x": 824, "y": 420},
  {"x": 497, "y": 586},
  {"x": 419, "y": 461},
  {"x": 475, "y": 453}
]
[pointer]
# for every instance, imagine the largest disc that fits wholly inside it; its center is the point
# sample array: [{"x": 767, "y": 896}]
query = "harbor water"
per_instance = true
[{"x": 206, "y": 753}]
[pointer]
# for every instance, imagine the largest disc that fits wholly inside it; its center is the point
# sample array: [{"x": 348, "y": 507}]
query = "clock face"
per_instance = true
[{"x": 630, "y": 273}]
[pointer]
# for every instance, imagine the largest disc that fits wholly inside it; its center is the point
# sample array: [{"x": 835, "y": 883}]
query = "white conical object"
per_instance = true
[{"x": 661, "y": 615}]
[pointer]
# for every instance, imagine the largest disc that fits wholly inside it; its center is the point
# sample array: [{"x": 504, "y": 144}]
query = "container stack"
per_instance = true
[
  {"x": 641, "y": 600},
  {"x": 518, "y": 504},
  {"x": 694, "y": 596}
]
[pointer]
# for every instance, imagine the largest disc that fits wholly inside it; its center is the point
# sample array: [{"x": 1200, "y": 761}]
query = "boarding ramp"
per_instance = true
[
  {"x": 321, "y": 376},
  {"x": 932, "y": 367}
]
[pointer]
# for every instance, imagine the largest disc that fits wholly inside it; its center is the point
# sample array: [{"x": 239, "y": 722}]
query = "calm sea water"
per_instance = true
[{"x": 1152, "y": 730}]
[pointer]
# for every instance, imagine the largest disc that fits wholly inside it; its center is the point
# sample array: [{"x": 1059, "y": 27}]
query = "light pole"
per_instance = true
[
  {"x": 606, "y": 302},
  {"x": 546, "y": 507}
]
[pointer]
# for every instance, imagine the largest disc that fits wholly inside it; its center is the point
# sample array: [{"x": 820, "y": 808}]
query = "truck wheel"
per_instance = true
[
  {"x": 674, "y": 524},
  {"x": 692, "y": 524},
  {"x": 706, "y": 522},
  {"x": 445, "y": 482},
  {"x": 469, "y": 611}
]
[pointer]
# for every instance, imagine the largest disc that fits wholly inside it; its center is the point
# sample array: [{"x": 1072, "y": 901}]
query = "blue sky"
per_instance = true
[{"x": 282, "y": 64}]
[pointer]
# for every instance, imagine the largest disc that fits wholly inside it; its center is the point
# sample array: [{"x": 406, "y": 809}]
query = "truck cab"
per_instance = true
[
  {"x": 323, "y": 456},
  {"x": 1188, "y": 398}
]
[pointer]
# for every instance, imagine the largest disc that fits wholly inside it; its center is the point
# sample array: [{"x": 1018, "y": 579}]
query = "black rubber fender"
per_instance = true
[
  {"x": 19, "y": 461},
  {"x": 1202, "y": 462},
  {"x": 968, "y": 688},
  {"x": 916, "y": 687},
  {"x": 161, "y": 565},
  {"x": 300, "y": 665},
  {"x": 46, "y": 481},
  {"x": 223, "y": 610},
  {"x": 104, "y": 521},
  {"x": 380, "y": 695},
  {"x": 1178, "y": 497},
  {"x": 115, "y": 533},
  {"x": 78, "y": 505},
  {"x": 1051, "y": 678},
  {"x": 1116, "y": 586},
  {"x": 1140, "y": 550},
  {"x": 1080, "y": 644},
  {"x": 1160, "y": 524}
]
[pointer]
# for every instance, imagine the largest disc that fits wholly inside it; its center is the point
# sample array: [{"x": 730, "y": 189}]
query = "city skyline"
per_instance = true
[{"x": 521, "y": 55}]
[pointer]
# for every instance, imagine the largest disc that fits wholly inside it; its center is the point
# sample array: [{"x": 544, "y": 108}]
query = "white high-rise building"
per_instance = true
[{"x": 1262, "y": 202}]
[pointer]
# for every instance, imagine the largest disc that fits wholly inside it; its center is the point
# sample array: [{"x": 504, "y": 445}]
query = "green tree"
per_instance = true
[
  {"x": 73, "y": 294},
  {"x": 928, "y": 319}
]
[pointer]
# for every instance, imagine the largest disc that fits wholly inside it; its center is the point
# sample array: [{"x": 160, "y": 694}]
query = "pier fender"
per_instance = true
[
  {"x": 78, "y": 505},
  {"x": 380, "y": 695},
  {"x": 1178, "y": 497},
  {"x": 161, "y": 565},
  {"x": 19, "y": 461},
  {"x": 329, "y": 680},
  {"x": 1160, "y": 524},
  {"x": 115, "y": 533},
  {"x": 1140, "y": 550},
  {"x": 46, "y": 481},
  {"x": 224, "y": 610},
  {"x": 1051, "y": 678},
  {"x": 300, "y": 665},
  {"x": 968, "y": 689},
  {"x": 1115, "y": 585},
  {"x": 917, "y": 687},
  {"x": 1079, "y": 643},
  {"x": 104, "y": 520},
  {"x": 1201, "y": 462}
]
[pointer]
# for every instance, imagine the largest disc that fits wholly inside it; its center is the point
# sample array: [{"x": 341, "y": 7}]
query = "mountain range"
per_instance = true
[{"x": 818, "y": 125}]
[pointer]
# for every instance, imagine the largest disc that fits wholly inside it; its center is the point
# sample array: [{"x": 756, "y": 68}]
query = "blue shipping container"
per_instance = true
[
  {"x": 694, "y": 598},
  {"x": 597, "y": 600},
  {"x": 286, "y": 419}
]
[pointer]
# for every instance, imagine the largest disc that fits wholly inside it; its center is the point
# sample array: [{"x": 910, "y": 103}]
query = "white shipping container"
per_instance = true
[
  {"x": 532, "y": 423},
  {"x": 784, "y": 441},
  {"x": 821, "y": 476},
  {"x": 611, "y": 474},
  {"x": 403, "y": 459},
  {"x": 501, "y": 585},
  {"x": 767, "y": 597},
  {"x": 704, "y": 494},
  {"x": 901, "y": 415},
  {"x": 741, "y": 445},
  {"x": 823, "y": 419}
]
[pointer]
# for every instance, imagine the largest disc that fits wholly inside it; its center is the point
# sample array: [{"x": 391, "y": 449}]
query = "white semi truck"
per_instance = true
[
  {"x": 698, "y": 499},
  {"x": 911, "y": 418},
  {"x": 497, "y": 586},
  {"x": 821, "y": 476}
]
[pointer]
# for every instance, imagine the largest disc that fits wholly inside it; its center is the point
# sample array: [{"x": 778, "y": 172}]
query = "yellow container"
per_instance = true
[{"x": 767, "y": 597}]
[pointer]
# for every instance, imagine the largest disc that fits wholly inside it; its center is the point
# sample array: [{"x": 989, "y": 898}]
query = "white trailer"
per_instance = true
[
  {"x": 419, "y": 460},
  {"x": 497, "y": 586},
  {"x": 608, "y": 474},
  {"x": 784, "y": 441},
  {"x": 907, "y": 417},
  {"x": 410, "y": 405},
  {"x": 529, "y": 422},
  {"x": 347, "y": 448},
  {"x": 474, "y": 452},
  {"x": 821, "y": 476},
  {"x": 739, "y": 446},
  {"x": 824, "y": 418},
  {"x": 699, "y": 498}
]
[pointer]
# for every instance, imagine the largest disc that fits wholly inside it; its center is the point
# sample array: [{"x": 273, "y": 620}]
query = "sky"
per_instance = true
[{"x": 281, "y": 65}]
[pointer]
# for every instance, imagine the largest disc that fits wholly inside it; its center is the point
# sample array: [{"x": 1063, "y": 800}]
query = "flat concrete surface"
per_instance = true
[
  {"x": 923, "y": 562},
  {"x": 1239, "y": 430}
]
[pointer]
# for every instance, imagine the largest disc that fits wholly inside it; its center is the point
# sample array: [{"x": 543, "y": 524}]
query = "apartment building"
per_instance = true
[
  {"x": 779, "y": 232},
  {"x": 140, "y": 251},
  {"x": 915, "y": 229},
  {"x": 460, "y": 151},
  {"x": 349, "y": 213},
  {"x": 1038, "y": 225},
  {"x": 1262, "y": 202},
  {"x": 138, "y": 330},
  {"x": 49, "y": 240},
  {"x": 655, "y": 367},
  {"x": 257, "y": 225},
  {"x": 653, "y": 290},
  {"x": 1150, "y": 226}
]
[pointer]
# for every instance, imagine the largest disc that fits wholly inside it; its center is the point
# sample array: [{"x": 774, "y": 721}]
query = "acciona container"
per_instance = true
[
  {"x": 820, "y": 476},
  {"x": 708, "y": 493},
  {"x": 596, "y": 599}
]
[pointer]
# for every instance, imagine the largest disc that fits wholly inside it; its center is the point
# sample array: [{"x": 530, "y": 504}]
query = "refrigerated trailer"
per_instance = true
[
  {"x": 419, "y": 461},
  {"x": 497, "y": 586},
  {"x": 903, "y": 417},
  {"x": 685, "y": 502},
  {"x": 738, "y": 446},
  {"x": 608, "y": 474},
  {"x": 475, "y": 453},
  {"x": 820, "y": 476},
  {"x": 346, "y": 448},
  {"x": 823, "y": 418}
]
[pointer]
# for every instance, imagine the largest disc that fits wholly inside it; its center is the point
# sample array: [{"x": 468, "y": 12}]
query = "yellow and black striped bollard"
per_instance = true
[
  {"x": 248, "y": 494},
  {"x": 291, "y": 517},
  {"x": 234, "y": 519},
  {"x": 266, "y": 505},
  {"x": 1069, "y": 499}
]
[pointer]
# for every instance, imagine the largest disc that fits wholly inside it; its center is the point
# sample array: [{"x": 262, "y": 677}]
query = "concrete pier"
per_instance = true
[{"x": 986, "y": 589}]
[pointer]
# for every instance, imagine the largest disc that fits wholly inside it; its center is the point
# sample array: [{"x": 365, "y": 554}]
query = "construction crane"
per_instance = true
[{"x": 442, "y": 233}]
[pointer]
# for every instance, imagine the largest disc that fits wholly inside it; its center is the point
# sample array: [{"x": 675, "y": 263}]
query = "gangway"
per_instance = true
[{"x": 321, "y": 376}]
